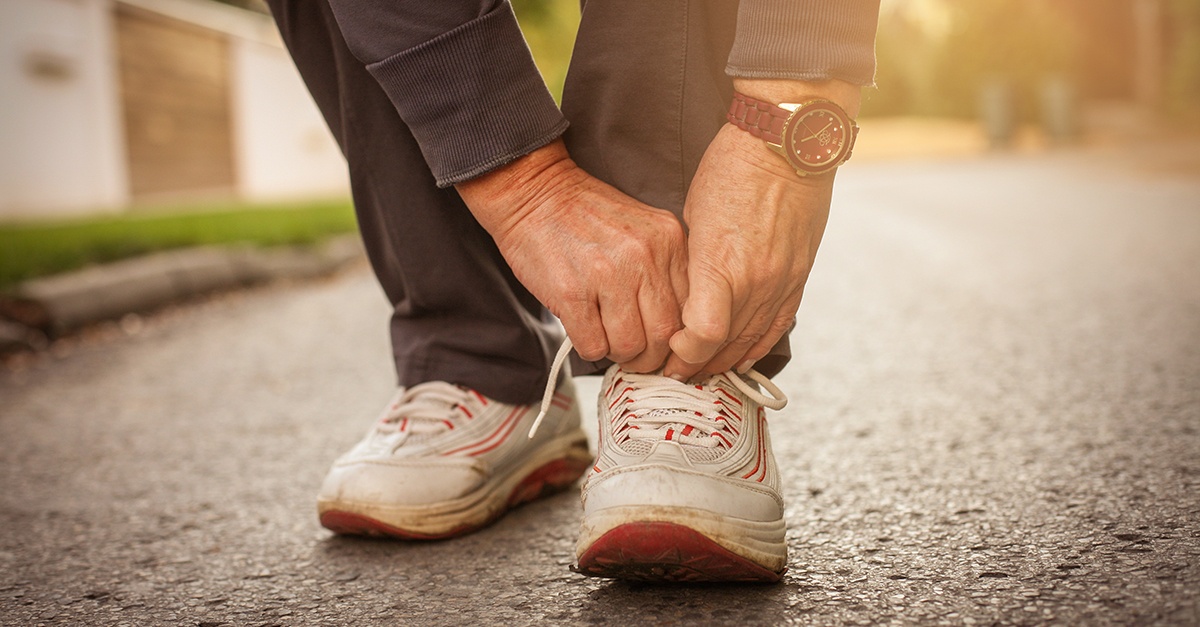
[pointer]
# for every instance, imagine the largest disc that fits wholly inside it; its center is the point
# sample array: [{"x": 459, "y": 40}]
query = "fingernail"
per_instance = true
[
  {"x": 745, "y": 366},
  {"x": 678, "y": 377}
]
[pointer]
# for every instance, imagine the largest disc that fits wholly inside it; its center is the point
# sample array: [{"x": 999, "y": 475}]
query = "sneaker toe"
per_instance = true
[
  {"x": 402, "y": 483},
  {"x": 666, "y": 486}
]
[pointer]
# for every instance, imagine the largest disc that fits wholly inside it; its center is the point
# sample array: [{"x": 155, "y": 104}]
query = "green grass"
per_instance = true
[{"x": 37, "y": 249}]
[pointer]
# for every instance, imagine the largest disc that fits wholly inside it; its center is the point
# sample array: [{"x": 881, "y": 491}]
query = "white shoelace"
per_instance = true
[
  {"x": 424, "y": 409},
  {"x": 665, "y": 401}
]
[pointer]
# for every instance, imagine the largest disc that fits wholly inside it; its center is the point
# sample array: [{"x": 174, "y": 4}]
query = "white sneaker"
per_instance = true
[
  {"x": 685, "y": 486},
  {"x": 444, "y": 460}
]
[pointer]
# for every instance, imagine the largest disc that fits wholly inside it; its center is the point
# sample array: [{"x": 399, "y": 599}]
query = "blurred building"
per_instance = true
[{"x": 110, "y": 103}]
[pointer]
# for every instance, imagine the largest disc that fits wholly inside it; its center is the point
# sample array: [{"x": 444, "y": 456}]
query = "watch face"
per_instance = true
[{"x": 817, "y": 138}]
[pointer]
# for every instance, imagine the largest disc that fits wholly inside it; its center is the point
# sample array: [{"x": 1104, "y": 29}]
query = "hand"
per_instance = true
[
  {"x": 755, "y": 227},
  {"x": 612, "y": 269}
]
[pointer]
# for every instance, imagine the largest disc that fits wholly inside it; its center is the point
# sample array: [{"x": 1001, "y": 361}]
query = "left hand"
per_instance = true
[
  {"x": 754, "y": 232},
  {"x": 755, "y": 226}
]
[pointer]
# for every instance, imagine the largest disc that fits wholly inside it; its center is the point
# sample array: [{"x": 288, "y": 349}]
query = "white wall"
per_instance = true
[
  {"x": 61, "y": 141},
  {"x": 61, "y": 148},
  {"x": 283, "y": 149}
]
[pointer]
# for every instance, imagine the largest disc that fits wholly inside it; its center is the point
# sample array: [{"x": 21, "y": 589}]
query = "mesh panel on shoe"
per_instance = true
[
  {"x": 636, "y": 447},
  {"x": 704, "y": 455}
]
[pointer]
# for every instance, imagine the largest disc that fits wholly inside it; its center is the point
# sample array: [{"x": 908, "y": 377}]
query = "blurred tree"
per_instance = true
[
  {"x": 1183, "y": 78},
  {"x": 935, "y": 57},
  {"x": 1019, "y": 43},
  {"x": 549, "y": 27},
  {"x": 906, "y": 51}
]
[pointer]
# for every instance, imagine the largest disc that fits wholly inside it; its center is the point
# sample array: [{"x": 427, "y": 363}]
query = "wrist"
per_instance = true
[
  {"x": 504, "y": 197},
  {"x": 776, "y": 91},
  {"x": 801, "y": 122}
]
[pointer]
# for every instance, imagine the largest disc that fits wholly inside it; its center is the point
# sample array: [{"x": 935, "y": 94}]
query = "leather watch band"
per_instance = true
[{"x": 761, "y": 119}]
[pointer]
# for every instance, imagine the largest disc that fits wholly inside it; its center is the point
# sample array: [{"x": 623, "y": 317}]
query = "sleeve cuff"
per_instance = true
[
  {"x": 809, "y": 40},
  {"x": 472, "y": 97}
]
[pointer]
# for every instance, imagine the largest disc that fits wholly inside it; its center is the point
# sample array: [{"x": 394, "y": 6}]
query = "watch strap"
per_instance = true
[{"x": 761, "y": 119}]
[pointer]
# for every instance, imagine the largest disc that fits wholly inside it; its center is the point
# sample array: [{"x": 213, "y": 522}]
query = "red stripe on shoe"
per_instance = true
[
  {"x": 758, "y": 460},
  {"x": 762, "y": 428},
  {"x": 510, "y": 422}
]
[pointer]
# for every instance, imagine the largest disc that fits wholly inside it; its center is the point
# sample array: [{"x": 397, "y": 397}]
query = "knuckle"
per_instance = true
[
  {"x": 626, "y": 349},
  {"x": 600, "y": 265},
  {"x": 710, "y": 333},
  {"x": 590, "y": 349},
  {"x": 590, "y": 354},
  {"x": 639, "y": 249},
  {"x": 782, "y": 325},
  {"x": 670, "y": 228},
  {"x": 749, "y": 339}
]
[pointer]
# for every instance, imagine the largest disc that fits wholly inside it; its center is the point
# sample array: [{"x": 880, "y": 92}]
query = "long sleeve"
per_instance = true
[
  {"x": 460, "y": 76},
  {"x": 806, "y": 40}
]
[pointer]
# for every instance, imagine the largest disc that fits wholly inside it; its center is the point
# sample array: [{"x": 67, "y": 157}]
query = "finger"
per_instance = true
[
  {"x": 735, "y": 351},
  {"x": 706, "y": 322},
  {"x": 660, "y": 319},
  {"x": 583, "y": 325},
  {"x": 784, "y": 321},
  {"x": 660, "y": 305},
  {"x": 781, "y": 327},
  {"x": 622, "y": 323},
  {"x": 678, "y": 271}
]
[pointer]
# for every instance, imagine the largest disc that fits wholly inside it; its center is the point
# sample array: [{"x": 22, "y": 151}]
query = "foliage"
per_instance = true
[
  {"x": 1183, "y": 80},
  {"x": 549, "y": 27},
  {"x": 1018, "y": 43},
  {"x": 926, "y": 71},
  {"x": 37, "y": 249}
]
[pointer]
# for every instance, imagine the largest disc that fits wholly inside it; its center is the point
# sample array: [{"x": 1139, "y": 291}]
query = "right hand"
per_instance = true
[{"x": 612, "y": 269}]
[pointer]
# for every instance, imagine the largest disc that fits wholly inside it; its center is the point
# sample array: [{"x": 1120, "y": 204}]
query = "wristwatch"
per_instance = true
[{"x": 815, "y": 136}]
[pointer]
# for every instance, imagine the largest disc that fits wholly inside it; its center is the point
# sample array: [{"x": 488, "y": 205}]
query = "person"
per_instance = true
[{"x": 650, "y": 215}]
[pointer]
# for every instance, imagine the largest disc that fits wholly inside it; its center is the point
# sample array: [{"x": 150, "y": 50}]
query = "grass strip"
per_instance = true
[{"x": 36, "y": 249}]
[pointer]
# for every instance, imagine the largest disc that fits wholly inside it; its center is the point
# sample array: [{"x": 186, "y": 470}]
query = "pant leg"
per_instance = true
[
  {"x": 459, "y": 314},
  {"x": 645, "y": 94}
]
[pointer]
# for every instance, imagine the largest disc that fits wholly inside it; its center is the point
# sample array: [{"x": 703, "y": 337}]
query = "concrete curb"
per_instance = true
[{"x": 54, "y": 305}]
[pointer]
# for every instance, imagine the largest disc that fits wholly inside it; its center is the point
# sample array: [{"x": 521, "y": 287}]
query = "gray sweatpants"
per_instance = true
[{"x": 645, "y": 93}]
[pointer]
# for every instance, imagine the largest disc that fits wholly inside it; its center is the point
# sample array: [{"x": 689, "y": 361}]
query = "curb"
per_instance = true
[{"x": 51, "y": 306}]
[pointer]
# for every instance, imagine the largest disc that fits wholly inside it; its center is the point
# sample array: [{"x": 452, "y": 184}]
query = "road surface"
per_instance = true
[{"x": 994, "y": 419}]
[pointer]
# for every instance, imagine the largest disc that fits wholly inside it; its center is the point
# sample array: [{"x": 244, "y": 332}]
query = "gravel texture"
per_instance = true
[{"x": 995, "y": 420}]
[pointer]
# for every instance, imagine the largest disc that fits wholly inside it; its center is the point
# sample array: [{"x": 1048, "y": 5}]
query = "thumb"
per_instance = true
[{"x": 706, "y": 320}]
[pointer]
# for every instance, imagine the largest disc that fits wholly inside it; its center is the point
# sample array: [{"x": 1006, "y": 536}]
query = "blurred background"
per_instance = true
[{"x": 116, "y": 115}]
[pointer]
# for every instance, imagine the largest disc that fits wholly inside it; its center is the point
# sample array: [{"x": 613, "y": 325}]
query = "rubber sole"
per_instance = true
[
  {"x": 663, "y": 551},
  {"x": 551, "y": 477}
]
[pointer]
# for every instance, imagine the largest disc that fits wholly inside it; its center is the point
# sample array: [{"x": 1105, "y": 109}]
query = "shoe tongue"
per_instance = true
[{"x": 671, "y": 453}]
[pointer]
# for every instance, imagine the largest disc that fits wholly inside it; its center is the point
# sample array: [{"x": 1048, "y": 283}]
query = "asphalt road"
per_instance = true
[{"x": 995, "y": 419}]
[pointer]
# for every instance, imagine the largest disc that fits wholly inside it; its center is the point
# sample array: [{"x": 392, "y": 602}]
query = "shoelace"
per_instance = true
[
  {"x": 663, "y": 398},
  {"x": 423, "y": 409}
]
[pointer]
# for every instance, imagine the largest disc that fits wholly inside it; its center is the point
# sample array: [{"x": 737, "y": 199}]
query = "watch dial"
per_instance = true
[{"x": 818, "y": 138}]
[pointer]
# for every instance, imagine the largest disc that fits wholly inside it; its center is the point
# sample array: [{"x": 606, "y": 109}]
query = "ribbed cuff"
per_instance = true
[
  {"x": 809, "y": 40},
  {"x": 472, "y": 97}
]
